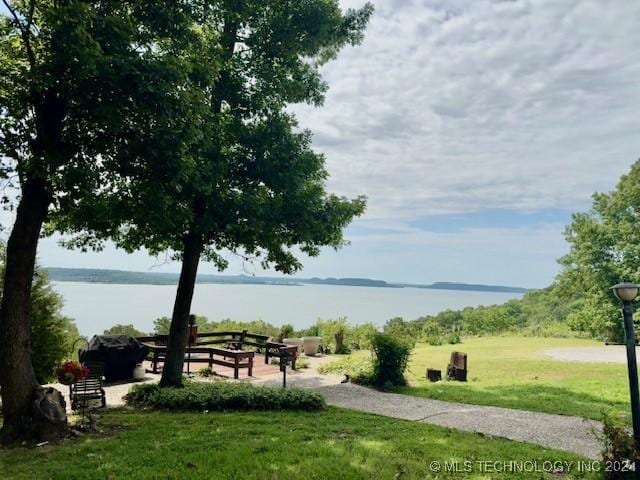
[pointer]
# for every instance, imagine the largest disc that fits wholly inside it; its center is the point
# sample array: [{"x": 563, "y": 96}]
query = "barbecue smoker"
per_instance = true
[{"x": 119, "y": 353}]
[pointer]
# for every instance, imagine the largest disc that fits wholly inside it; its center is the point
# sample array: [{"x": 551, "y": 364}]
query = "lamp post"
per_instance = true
[
  {"x": 627, "y": 292},
  {"x": 192, "y": 322}
]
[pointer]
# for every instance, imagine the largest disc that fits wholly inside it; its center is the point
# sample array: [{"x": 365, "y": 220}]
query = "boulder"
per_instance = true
[{"x": 49, "y": 414}]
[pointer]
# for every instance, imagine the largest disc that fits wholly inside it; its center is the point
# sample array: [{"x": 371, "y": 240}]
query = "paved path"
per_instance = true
[
  {"x": 561, "y": 432},
  {"x": 601, "y": 354}
]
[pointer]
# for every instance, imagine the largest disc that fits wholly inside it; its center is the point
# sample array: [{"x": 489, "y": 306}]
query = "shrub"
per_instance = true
[
  {"x": 357, "y": 366},
  {"x": 194, "y": 396},
  {"x": 434, "y": 340},
  {"x": 390, "y": 358},
  {"x": 286, "y": 330},
  {"x": 334, "y": 333},
  {"x": 453, "y": 338},
  {"x": 618, "y": 446},
  {"x": 404, "y": 332},
  {"x": 302, "y": 363},
  {"x": 363, "y": 334}
]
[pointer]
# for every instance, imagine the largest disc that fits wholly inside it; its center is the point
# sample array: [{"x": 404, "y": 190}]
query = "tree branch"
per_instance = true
[{"x": 25, "y": 32}]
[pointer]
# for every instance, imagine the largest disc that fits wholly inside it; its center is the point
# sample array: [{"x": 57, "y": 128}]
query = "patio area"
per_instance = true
[{"x": 263, "y": 374}]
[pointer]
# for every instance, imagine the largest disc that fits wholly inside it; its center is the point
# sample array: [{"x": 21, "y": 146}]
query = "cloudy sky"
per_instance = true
[{"x": 475, "y": 128}]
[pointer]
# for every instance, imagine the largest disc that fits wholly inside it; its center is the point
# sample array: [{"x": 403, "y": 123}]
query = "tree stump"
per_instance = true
[{"x": 434, "y": 375}]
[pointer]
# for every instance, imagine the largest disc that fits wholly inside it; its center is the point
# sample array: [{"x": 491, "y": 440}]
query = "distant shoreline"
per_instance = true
[{"x": 123, "y": 277}]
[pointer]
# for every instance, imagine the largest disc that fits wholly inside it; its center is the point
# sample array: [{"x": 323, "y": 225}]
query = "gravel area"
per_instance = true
[
  {"x": 603, "y": 354},
  {"x": 572, "y": 434}
]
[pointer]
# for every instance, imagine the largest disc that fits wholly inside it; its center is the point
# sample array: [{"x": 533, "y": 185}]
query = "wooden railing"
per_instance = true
[{"x": 157, "y": 344}]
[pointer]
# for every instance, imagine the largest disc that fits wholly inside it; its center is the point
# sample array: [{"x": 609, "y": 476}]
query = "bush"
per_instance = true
[
  {"x": 405, "y": 332},
  {"x": 52, "y": 334},
  {"x": 434, "y": 340},
  {"x": 357, "y": 366},
  {"x": 286, "y": 330},
  {"x": 363, "y": 334},
  {"x": 194, "y": 396},
  {"x": 618, "y": 446},
  {"x": 454, "y": 338},
  {"x": 390, "y": 358}
]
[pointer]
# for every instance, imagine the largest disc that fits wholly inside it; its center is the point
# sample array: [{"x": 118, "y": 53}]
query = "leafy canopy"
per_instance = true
[
  {"x": 85, "y": 89},
  {"x": 250, "y": 181},
  {"x": 605, "y": 250}
]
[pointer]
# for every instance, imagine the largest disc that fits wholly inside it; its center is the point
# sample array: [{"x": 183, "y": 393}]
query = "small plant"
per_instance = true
[
  {"x": 198, "y": 396},
  {"x": 206, "y": 372},
  {"x": 302, "y": 363},
  {"x": 618, "y": 447}
]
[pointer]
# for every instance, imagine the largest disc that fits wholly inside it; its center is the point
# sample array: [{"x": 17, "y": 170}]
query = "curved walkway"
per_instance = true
[{"x": 561, "y": 432}]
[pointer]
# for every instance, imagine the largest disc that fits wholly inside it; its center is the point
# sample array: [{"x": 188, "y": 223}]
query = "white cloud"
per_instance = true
[{"x": 459, "y": 106}]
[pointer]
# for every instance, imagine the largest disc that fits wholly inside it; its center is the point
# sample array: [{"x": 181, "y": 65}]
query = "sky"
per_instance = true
[{"x": 475, "y": 128}]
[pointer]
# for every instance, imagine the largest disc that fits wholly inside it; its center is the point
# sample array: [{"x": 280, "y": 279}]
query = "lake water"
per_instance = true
[{"x": 96, "y": 307}]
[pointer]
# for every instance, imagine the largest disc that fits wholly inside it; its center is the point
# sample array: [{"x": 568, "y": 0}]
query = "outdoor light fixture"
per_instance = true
[{"x": 627, "y": 292}]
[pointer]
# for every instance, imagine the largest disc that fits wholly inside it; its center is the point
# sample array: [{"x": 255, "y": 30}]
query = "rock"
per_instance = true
[{"x": 49, "y": 414}]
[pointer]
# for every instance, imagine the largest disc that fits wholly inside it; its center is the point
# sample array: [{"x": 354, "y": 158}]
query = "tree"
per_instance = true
[
  {"x": 128, "y": 330},
  {"x": 80, "y": 82},
  {"x": 251, "y": 183},
  {"x": 605, "y": 249},
  {"x": 53, "y": 335},
  {"x": 162, "y": 325}
]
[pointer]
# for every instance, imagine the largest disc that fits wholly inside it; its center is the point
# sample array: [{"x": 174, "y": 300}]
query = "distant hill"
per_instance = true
[
  {"x": 93, "y": 275},
  {"x": 472, "y": 287}
]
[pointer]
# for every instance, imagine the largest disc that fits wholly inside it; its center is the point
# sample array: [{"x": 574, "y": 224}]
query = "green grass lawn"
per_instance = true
[
  {"x": 331, "y": 444},
  {"x": 513, "y": 372}
]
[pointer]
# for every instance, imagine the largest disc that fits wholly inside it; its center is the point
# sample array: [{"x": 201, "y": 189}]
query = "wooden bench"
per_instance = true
[
  {"x": 239, "y": 358},
  {"x": 275, "y": 350}
]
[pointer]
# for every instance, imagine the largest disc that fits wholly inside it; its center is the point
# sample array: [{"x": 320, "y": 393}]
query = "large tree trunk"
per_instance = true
[
  {"x": 179, "y": 330},
  {"x": 17, "y": 378}
]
